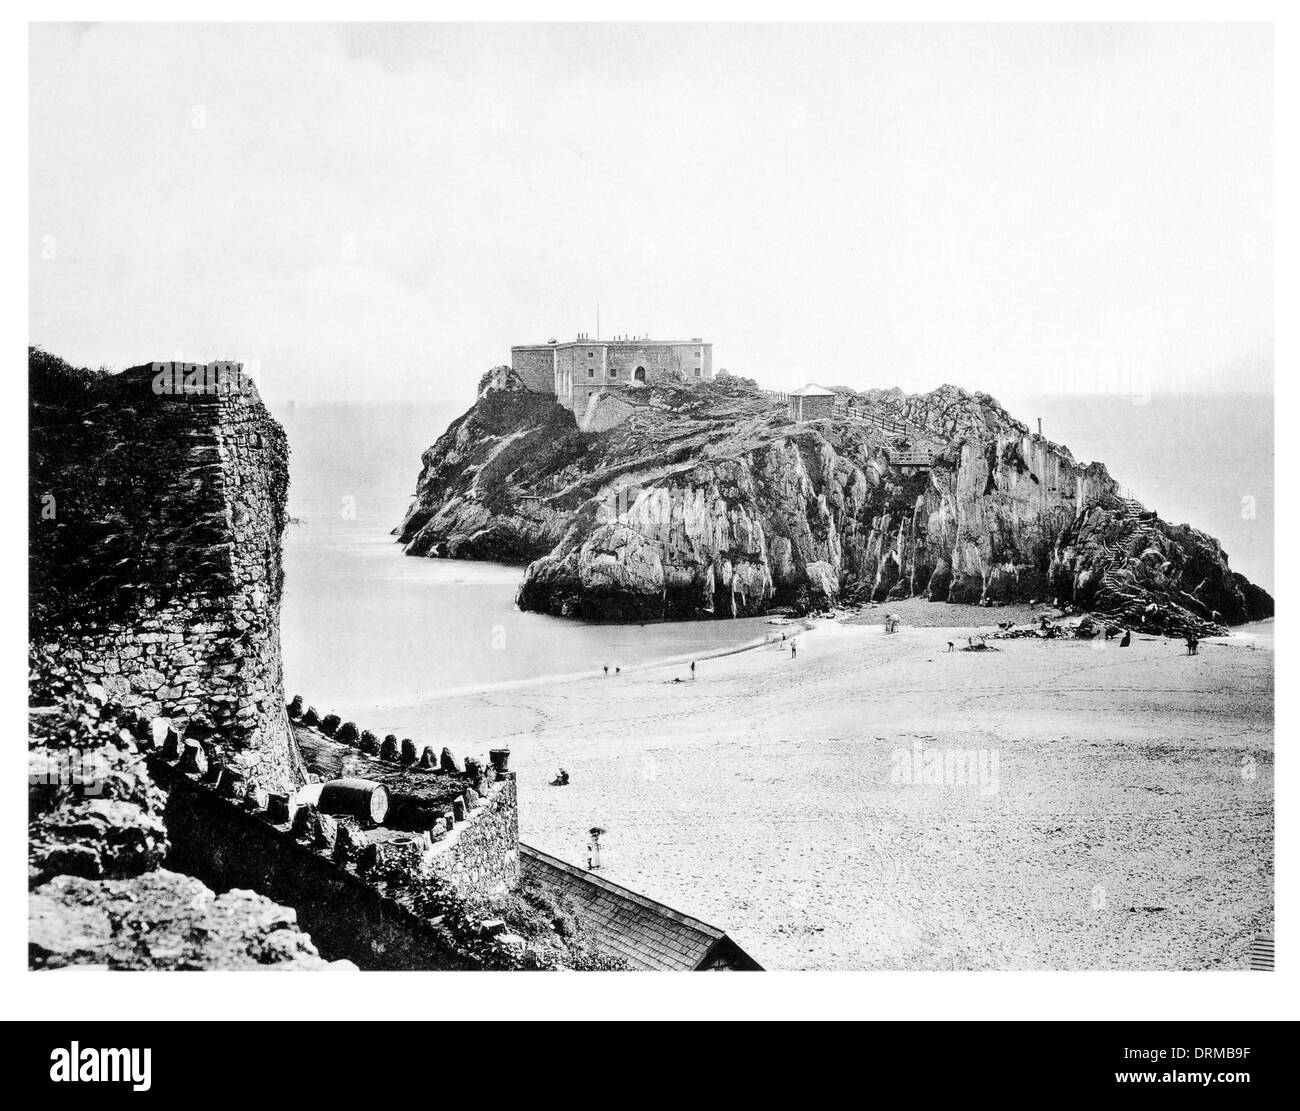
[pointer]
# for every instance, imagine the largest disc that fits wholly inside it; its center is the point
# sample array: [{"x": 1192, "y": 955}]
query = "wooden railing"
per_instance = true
[
  {"x": 911, "y": 458},
  {"x": 886, "y": 422}
]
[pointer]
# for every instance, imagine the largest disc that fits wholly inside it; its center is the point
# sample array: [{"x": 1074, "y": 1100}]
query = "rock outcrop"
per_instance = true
[
  {"x": 1122, "y": 561},
  {"x": 163, "y": 921},
  {"x": 710, "y": 501},
  {"x": 97, "y": 843}
]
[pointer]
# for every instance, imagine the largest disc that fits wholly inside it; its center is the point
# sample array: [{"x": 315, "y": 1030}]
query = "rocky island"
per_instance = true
[{"x": 708, "y": 499}]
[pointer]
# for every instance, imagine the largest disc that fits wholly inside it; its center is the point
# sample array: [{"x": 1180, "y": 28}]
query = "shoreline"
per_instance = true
[
  {"x": 802, "y": 624},
  {"x": 872, "y": 617}
]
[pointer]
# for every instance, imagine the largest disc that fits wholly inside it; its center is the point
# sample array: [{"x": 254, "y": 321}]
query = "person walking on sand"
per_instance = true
[
  {"x": 607, "y": 669},
  {"x": 692, "y": 671},
  {"x": 1128, "y": 636},
  {"x": 794, "y": 648}
]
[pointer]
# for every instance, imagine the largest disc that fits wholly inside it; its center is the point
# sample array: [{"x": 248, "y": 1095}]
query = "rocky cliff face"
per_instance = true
[
  {"x": 1124, "y": 562},
  {"x": 710, "y": 501}
]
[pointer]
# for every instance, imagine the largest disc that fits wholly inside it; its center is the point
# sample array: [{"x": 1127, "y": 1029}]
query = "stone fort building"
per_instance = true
[{"x": 577, "y": 370}]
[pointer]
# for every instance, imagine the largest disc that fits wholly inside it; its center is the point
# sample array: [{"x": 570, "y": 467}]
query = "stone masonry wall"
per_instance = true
[
  {"x": 582, "y": 369},
  {"x": 158, "y": 574},
  {"x": 536, "y": 366},
  {"x": 483, "y": 859},
  {"x": 469, "y": 810},
  {"x": 347, "y": 918},
  {"x": 605, "y": 410},
  {"x": 350, "y": 885}
]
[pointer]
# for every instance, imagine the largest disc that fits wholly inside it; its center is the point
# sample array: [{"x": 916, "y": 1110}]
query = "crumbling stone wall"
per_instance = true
[
  {"x": 157, "y": 512},
  {"x": 228, "y": 845}
]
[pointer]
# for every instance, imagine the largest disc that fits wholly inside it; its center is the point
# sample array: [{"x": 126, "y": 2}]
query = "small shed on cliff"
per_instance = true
[
  {"x": 811, "y": 402},
  {"x": 648, "y": 935}
]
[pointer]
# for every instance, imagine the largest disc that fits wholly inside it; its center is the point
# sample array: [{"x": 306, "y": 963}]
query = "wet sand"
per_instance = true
[{"x": 1124, "y": 819}]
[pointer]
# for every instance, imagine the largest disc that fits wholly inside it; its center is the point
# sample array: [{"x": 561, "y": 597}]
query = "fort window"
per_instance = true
[
  {"x": 697, "y": 372},
  {"x": 640, "y": 374},
  {"x": 591, "y": 372},
  {"x": 613, "y": 372}
]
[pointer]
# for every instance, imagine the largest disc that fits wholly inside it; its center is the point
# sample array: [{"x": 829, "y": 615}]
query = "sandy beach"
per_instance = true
[{"x": 1115, "y": 812}]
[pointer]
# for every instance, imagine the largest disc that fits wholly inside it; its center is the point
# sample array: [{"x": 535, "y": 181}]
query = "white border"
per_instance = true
[{"x": 414, "y": 996}]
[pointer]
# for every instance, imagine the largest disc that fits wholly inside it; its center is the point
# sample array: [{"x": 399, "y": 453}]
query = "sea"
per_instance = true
[{"x": 365, "y": 627}]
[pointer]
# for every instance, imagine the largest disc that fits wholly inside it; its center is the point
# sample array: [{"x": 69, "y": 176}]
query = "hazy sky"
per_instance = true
[{"x": 380, "y": 211}]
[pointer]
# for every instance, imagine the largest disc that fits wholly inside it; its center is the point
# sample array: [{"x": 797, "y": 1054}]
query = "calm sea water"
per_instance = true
[{"x": 365, "y": 626}]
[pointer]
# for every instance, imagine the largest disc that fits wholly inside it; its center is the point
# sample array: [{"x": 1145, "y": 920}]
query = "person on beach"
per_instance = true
[
  {"x": 607, "y": 669},
  {"x": 692, "y": 671},
  {"x": 794, "y": 648},
  {"x": 1127, "y": 639}
]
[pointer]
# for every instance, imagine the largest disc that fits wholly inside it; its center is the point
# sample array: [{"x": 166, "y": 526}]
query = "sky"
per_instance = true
[{"x": 377, "y": 212}]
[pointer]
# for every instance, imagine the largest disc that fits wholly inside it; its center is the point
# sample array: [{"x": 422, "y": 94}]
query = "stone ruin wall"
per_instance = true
[
  {"x": 484, "y": 857},
  {"x": 179, "y": 499},
  {"x": 467, "y": 810},
  {"x": 350, "y": 883},
  {"x": 161, "y": 579}
]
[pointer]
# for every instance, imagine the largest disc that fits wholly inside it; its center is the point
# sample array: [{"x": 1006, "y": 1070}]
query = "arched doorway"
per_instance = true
[{"x": 639, "y": 375}]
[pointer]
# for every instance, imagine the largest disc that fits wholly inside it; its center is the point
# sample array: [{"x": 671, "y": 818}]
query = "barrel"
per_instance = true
[{"x": 357, "y": 798}]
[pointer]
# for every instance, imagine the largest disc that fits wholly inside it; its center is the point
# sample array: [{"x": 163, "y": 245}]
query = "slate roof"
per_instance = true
[{"x": 648, "y": 935}]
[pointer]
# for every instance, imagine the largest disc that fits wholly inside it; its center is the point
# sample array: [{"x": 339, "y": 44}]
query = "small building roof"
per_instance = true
[
  {"x": 812, "y": 390},
  {"x": 646, "y": 934}
]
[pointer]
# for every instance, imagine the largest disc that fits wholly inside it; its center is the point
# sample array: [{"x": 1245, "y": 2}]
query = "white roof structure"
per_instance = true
[{"x": 812, "y": 390}]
